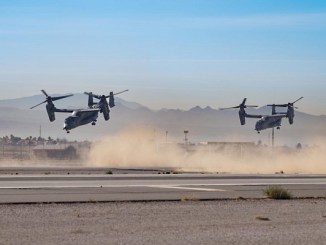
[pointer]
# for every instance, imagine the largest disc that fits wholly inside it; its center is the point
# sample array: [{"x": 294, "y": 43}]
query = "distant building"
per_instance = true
[
  {"x": 223, "y": 145},
  {"x": 227, "y": 147},
  {"x": 58, "y": 152}
]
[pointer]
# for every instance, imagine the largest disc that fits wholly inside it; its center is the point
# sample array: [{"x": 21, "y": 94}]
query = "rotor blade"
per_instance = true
[
  {"x": 38, "y": 104},
  {"x": 279, "y": 105},
  {"x": 251, "y": 105},
  {"x": 97, "y": 96},
  {"x": 89, "y": 93},
  {"x": 43, "y": 91},
  {"x": 93, "y": 95},
  {"x": 61, "y": 97},
  {"x": 297, "y": 100},
  {"x": 122, "y": 92},
  {"x": 243, "y": 102},
  {"x": 234, "y": 107},
  {"x": 118, "y": 93}
]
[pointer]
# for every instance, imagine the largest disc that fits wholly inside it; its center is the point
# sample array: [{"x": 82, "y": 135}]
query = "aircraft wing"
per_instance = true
[
  {"x": 64, "y": 110},
  {"x": 266, "y": 116},
  {"x": 276, "y": 116},
  {"x": 89, "y": 110},
  {"x": 254, "y": 116},
  {"x": 77, "y": 110}
]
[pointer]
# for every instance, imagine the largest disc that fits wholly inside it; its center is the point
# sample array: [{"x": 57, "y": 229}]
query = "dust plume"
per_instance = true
[{"x": 138, "y": 148}]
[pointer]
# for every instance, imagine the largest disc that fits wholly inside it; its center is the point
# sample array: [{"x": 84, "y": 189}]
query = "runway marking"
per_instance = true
[
  {"x": 111, "y": 186},
  {"x": 185, "y": 188},
  {"x": 181, "y": 186}
]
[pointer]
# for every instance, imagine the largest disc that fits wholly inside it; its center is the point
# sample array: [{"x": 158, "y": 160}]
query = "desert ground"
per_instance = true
[{"x": 301, "y": 221}]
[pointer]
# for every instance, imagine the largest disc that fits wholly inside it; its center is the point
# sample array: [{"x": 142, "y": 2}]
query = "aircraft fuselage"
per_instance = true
[
  {"x": 268, "y": 122},
  {"x": 79, "y": 118}
]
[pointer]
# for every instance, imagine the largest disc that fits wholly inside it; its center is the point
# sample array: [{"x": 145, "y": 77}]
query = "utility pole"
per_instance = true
[{"x": 186, "y": 138}]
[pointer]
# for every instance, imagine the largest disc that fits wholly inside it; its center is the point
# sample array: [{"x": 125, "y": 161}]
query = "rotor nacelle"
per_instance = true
[
  {"x": 290, "y": 114},
  {"x": 90, "y": 100},
  {"x": 111, "y": 100},
  {"x": 242, "y": 116},
  {"x": 103, "y": 104},
  {"x": 50, "y": 108},
  {"x": 242, "y": 112},
  {"x": 290, "y": 110}
]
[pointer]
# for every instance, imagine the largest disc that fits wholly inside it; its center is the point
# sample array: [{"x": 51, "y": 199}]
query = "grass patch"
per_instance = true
[
  {"x": 189, "y": 198},
  {"x": 262, "y": 218},
  {"x": 275, "y": 192},
  {"x": 241, "y": 198}
]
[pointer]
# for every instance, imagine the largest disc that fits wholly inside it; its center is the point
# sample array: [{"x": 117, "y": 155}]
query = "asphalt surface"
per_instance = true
[
  {"x": 74, "y": 213},
  {"x": 150, "y": 187},
  {"x": 301, "y": 221}
]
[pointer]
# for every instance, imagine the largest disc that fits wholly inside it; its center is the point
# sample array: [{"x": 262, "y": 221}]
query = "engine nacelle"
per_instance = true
[
  {"x": 106, "y": 112},
  {"x": 242, "y": 117},
  {"x": 90, "y": 100},
  {"x": 290, "y": 114},
  {"x": 111, "y": 100},
  {"x": 51, "y": 112}
]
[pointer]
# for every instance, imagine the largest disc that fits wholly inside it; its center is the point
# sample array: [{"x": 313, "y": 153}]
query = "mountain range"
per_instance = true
[{"x": 203, "y": 124}]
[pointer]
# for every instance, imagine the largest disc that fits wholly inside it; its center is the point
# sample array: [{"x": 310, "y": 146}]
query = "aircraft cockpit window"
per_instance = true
[{"x": 69, "y": 120}]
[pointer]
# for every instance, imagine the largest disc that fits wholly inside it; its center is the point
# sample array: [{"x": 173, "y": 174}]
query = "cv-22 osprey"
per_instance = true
[
  {"x": 266, "y": 121},
  {"x": 80, "y": 117}
]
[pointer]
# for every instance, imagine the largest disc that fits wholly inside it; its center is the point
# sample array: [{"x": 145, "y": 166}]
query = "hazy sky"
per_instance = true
[{"x": 169, "y": 53}]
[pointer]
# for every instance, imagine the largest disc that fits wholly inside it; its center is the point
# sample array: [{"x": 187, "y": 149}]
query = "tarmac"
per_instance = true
[
  {"x": 22, "y": 186},
  {"x": 157, "y": 206},
  {"x": 257, "y": 221}
]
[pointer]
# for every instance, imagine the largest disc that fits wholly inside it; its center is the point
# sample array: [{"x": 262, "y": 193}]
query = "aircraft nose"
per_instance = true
[{"x": 257, "y": 126}]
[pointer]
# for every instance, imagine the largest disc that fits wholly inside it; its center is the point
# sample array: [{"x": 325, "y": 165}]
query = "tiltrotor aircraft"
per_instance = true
[
  {"x": 266, "y": 121},
  {"x": 81, "y": 117}
]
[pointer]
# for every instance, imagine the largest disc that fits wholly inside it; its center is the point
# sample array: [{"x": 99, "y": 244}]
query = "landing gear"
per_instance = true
[
  {"x": 258, "y": 132},
  {"x": 278, "y": 128},
  {"x": 93, "y": 123},
  {"x": 68, "y": 131}
]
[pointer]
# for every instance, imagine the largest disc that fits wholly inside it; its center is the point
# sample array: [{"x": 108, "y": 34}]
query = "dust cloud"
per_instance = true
[{"x": 138, "y": 148}]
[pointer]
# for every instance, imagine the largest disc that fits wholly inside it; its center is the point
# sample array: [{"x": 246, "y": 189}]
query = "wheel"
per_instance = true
[
  {"x": 68, "y": 132},
  {"x": 93, "y": 123},
  {"x": 278, "y": 128}
]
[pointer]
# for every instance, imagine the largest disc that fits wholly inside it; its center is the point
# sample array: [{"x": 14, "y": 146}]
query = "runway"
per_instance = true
[{"x": 40, "y": 188}]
